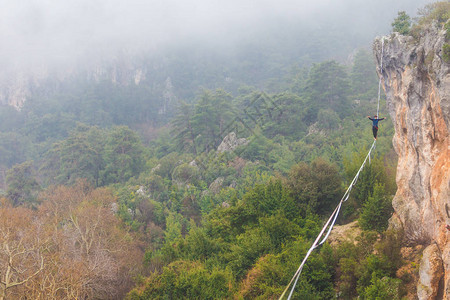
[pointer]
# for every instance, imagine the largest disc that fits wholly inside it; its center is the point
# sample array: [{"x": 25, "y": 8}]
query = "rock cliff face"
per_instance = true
[
  {"x": 17, "y": 86},
  {"x": 417, "y": 84}
]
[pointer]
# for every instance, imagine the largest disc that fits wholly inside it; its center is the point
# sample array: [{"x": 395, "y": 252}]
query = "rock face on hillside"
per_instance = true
[
  {"x": 231, "y": 142},
  {"x": 417, "y": 84},
  {"x": 17, "y": 86}
]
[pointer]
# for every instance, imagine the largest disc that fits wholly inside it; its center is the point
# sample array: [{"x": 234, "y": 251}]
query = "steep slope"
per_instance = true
[{"x": 416, "y": 80}]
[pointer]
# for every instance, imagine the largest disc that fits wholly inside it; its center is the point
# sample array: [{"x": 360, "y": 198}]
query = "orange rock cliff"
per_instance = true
[{"x": 416, "y": 80}]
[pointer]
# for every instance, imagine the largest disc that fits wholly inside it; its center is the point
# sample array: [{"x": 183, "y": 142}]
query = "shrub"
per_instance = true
[
  {"x": 438, "y": 11},
  {"x": 184, "y": 279},
  {"x": 402, "y": 24},
  {"x": 384, "y": 288},
  {"x": 376, "y": 211},
  {"x": 446, "y": 52}
]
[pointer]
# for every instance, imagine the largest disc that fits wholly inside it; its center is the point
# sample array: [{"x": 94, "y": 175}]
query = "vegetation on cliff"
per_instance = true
[{"x": 436, "y": 13}]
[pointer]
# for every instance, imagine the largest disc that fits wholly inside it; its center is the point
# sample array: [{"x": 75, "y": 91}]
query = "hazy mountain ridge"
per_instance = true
[{"x": 257, "y": 47}]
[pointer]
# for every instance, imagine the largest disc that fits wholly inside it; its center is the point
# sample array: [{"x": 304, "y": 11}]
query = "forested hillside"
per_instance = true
[
  {"x": 208, "y": 180},
  {"x": 211, "y": 220}
]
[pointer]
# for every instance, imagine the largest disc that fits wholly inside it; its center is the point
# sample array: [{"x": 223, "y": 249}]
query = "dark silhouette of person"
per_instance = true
[{"x": 375, "y": 125}]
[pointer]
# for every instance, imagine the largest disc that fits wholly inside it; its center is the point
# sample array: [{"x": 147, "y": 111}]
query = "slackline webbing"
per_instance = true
[{"x": 332, "y": 219}]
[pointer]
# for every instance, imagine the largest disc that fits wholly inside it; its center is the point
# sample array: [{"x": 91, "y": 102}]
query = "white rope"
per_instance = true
[
  {"x": 381, "y": 71},
  {"x": 344, "y": 198},
  {"x": 332, "y": 219}
]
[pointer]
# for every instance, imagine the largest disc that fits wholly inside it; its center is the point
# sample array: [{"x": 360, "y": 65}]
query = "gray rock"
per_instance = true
[
  {"x": 141, "y": 191},
  {"x": 114, "y": 207},
  {"x": 216, "y": 185},
  {"x": 231, "y": 142},
  {"x": 431, "y": 271},
  {"x": 158, "y": 166}
]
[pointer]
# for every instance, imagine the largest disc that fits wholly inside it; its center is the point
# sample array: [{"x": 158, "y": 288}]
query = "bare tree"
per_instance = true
[
  {"x": 21, "y": 246},
  {"x": 72, "y": 247}
]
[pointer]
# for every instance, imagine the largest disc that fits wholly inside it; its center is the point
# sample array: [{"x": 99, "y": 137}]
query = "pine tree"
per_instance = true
[
  {"x": 363, "y": 76},
  {"x": 402, "y": 23},
  {"x": 123, "y": 155},
  {"x": 22, "y": 185},
  {"x": 183, "y": 130},
  {"x": 212, "y": 119},
  {"x": 327, "y": 85},
  {"x": 376, "y": 210}
]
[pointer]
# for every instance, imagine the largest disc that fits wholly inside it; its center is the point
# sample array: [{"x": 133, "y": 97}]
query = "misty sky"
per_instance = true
[{"x": 45, "y": 32}]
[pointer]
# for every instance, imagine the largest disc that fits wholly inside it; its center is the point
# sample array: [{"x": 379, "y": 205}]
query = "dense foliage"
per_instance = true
[
  {"x": 232, "y": 223},
  {"x": 215, "y": 224}
]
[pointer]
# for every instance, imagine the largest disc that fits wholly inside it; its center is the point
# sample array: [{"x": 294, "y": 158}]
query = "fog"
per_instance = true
[{"x": 36, "y": 33}]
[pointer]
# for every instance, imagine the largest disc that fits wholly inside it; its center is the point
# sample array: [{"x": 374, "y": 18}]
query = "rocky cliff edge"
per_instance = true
[{"x": 416, "y": 81}]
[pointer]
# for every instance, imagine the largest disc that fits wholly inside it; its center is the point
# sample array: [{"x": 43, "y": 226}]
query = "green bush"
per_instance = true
[
  {"x": 446, "y": 52},
  {"x": 384, "y": 288},
  {"x": 376, "y": 210},
  {"x": 437, "y": 11},
  {"x": 185, "y": 280},
  {"x": 402, "y": 24},
  {"x": 434, "y": 12}
]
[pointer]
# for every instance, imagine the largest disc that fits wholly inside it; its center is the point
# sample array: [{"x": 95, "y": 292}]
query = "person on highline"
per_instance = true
[{"x": 375, "y": 125}]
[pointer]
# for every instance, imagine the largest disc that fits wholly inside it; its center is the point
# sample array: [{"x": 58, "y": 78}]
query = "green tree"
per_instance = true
[
  {"x": 12, "y": 149},
  {"x": 272, "y": 272},
  {"x": 373, "y": 172},
  {"x": 81, "y": 155},
  {"x": 173, "y": 227},
  {"x": 286, "y": 111},
  {"x": 376, "y": 210},
  {"x": 183, "y": 129},
  {"x": 123, "y": 155},
  {"x": 364, "y": 80},
  {"x": 248, "y": 247},
  {"x": 268, "y": 199},
  {"x": 22, "y": 186},
  {"x": 48, "y": 126},
  {"x": 258, "y": 147},
  {"x": 327, "y": 85},
  {"x": 281, "y": 158},
  {"x": 212, "y": 119},
  {"x": 185, "y": 280},
  {"x": 328, "y": 119},
  {"x": 228, "y": 222},
  {"x": 316, "y": 187},
  {"x": 186, "y": 174},
  {"x": 200, "y": 246},
  {"x": 384, "y": 288},
  {"x": 402, "y": 24}
]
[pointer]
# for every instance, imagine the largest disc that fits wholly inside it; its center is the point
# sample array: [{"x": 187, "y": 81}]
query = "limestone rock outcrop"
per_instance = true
[
  {"x": 345, "y": 233},
  {"x": 231, "y": 142},
  {"x": 19, "y": 85},
  {"x": 430, "y": 273},
  {"x": 416, "y": 81}
]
